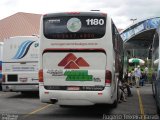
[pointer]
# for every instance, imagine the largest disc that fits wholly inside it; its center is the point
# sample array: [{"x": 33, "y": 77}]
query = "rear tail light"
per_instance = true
[
  {"x": 40, "y": 75},
  {"x": 108, "y": 78},
  {"x": 3, "y": 78}
]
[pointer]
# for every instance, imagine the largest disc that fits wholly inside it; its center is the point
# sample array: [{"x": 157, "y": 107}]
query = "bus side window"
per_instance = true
[{"x": 115, "y": 36}]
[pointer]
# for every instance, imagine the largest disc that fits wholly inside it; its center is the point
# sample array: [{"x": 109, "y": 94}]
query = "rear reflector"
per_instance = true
[
  {"x": 46, "y": 92},
  {"x": 40, "y": 75},
  {"x": 108, "y": 78},
  {"x": 100, "y": 93}
]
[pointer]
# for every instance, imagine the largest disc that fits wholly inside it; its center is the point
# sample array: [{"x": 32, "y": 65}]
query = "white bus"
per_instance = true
[
  {"x": 20, "y": 64},
  {"x": 156, "y": 68},
  {"x": 81, "y": 56}
]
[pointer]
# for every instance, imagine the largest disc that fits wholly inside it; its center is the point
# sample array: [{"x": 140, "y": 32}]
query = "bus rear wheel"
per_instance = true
[{"x": 115, "y": 103}]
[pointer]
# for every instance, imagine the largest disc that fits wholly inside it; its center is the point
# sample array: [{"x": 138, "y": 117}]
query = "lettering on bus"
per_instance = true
[
  {"x": 73, "y": 36},
  {"x": 23, "y": 68},
  {"x": 78, "y": 75},
  {"x": 55, "y": 72},
  {"x": 74, "y": 75}
]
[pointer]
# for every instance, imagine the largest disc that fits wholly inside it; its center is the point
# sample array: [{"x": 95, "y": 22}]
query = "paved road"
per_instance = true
[{"x": 28, "y": 107}]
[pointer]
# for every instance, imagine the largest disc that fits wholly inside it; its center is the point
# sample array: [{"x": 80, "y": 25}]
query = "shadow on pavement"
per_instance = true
[
  {"x": 79, "y": 113},
  {"x": 26, "y": 95}
]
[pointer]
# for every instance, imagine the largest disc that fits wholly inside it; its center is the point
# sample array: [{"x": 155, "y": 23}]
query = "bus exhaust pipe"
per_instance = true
[{"x": 53, "y": 100}]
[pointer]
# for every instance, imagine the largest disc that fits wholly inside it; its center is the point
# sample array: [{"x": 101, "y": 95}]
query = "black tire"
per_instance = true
[
  {"x": 157, "y": 106},
  {"x": 158, "y": 110},
  {"x": 115, "y": 103},
  {"x": 157, "y": 103}
]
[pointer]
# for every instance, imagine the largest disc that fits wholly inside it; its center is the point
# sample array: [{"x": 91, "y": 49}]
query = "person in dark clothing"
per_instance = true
[
  {"x": 142, "y": 79},
  {"x": 122, "y": 96},
  {"x": 125, "y": 83}
]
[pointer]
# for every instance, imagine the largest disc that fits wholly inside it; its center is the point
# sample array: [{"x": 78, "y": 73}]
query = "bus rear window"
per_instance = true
[{"x": 74, "y": 26}]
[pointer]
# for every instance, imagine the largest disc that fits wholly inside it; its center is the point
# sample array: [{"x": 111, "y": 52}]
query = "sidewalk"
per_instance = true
[{"x": 132, "y": 106}]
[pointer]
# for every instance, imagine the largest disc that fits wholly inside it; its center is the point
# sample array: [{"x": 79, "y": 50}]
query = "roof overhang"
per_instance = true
[{"x": 140, "y": 35}]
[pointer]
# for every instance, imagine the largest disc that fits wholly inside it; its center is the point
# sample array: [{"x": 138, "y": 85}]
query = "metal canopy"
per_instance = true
[
  {"x": 140, "y": 35},
  {"x": 142, "y": 40}
]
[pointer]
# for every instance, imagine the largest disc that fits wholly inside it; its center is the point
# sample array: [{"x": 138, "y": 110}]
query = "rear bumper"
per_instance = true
[
  {"x": 19, "y": 87},
  {"x": 24, "y": 82},
  {"x": 76, "y": 97}
]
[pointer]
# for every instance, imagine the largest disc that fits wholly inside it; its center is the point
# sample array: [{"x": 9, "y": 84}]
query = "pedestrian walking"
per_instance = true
[{"x": 137, "y": 74}]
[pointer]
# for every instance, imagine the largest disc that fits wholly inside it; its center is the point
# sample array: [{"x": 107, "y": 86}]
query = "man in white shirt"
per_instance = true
[{"x": 137, "y": 74}]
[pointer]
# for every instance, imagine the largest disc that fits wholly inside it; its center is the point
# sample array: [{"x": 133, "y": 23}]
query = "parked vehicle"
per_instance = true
[
  {"x": 156, "y": 68},
  {"x": 20, "y": 64},
  {"x": 81, "y": 59}
]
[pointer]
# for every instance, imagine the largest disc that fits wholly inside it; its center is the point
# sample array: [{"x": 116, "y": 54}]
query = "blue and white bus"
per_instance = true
[{"x": 20, "y": 64}]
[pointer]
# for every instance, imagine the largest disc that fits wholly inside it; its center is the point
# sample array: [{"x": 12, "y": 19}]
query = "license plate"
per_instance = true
[
  {"x": 73, "y": 88},
  {"x": 23, "y": 79}
]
